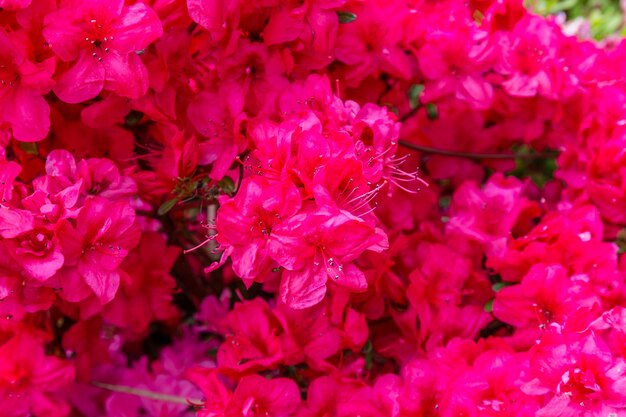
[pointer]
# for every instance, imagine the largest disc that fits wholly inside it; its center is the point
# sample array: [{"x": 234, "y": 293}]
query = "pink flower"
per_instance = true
[
  {"x": 146, "y": 287},
  {"x": 37, "y": 252},
  {"x": 245, "y": 222},
  {"x": 310, "y": 28},
  {"x": 576, "y": 373},
  {"x": 257, "y": 396},
  {"x": 29, "y": 378},
  {"x": 14, "y": 222},
  {"x": 315, "y": 246},
  {"x": 546, "y": 295},
  {"x": 309, "y": 334},
  {"x": 22, "y": 86},
  {"x": 100, "y": 41},
  {"x": 252, "y": 343},
  {"x": 104, "y": 234},
  {"x": 219, "y": 117},
  {"x": 219, "y": 17},
  {"x": 446, "y": 295},
  {"x": 454, "y": 60},
  {"x": 372, "y": 43},
  {"x": 340, "y": 396},
  {"x": 95, "y": 176},
  {"x": 489, "y": 215},
  {"x": 530, "y": 58}
]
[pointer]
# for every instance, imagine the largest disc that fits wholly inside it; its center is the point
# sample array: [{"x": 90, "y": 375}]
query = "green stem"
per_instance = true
[{"x": 146, "y": 394}]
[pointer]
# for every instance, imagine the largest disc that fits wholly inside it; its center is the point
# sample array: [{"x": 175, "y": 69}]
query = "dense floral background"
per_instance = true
[{"x": 317, "y": 208}]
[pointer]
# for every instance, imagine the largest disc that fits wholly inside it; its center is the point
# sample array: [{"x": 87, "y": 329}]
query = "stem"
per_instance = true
[
  {"x": 458, "y": 154},
  {"x": 146, "y": 394},
  {"x": 409, "y": 114}
]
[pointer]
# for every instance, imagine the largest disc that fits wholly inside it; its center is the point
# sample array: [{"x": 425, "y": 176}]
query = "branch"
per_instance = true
[
  {"x": 147, "y": 394},
  {"x": 478, "y": 156}
]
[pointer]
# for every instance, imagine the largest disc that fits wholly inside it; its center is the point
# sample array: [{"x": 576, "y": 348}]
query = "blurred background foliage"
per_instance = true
[{"x": 603, "y": 17}]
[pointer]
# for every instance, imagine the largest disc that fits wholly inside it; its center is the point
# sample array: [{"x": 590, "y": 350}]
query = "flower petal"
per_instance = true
[
  {"x": 125, "y": 75},
  {"x": 83, "y": 81}
]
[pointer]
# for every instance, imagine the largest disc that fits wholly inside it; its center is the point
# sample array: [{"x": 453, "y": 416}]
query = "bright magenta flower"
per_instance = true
[
  {"x": 100, "y": 41},
  {"x": 246, "y": 223},
  {"x": 23, "y": 82},
  {"x": 315, "y": 247},
  {"x": 94, "y": 249}
]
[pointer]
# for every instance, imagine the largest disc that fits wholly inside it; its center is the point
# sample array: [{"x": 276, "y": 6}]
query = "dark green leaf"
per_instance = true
[
  {"x": 29, "y": 147},
  {"x": 346, "y": 17},
  {"x": 167, "y": 206},
  {"x": 133, "y": 118},
  {"x": 489, "y": 306},
  {"x": 414, "y": 94},
  {"x": 499, "y": 285},
  {"x": 431, "y": 111},
  {"x": 227, "y": 185}
]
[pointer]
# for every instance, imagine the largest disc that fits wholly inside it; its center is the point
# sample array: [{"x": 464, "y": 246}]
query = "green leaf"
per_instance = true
[
  {"x": 133, "y": 118},
  {"x": 432, "y": 112},
  {"x": 227, "y": 185},
  {"x": 444, "y": 201},
  {"x": 414, "y": 94},
  {"x": 29, "y": 147},
  {"x": 368, "y": 350},
  {"x": 167, "y": 206},
  {"x": 346, "y": 17},
  {"x": 620, "y": 241},
  {"x": 499, "y": 285},
  {"x": 478, "y": 17},
  {"x": 489, "y": 306}
]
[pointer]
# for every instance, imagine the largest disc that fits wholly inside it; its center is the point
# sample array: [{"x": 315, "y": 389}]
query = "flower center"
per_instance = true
[{"x": 98, "y": 39}]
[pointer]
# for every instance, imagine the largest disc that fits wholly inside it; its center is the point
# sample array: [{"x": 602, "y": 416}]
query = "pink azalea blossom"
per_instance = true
[
  {"x": 104, "y": 234},
  {"x": 23, "y": 82},
  {"x": 100, "y": 42},
  {"x": 318, "y": 246}
]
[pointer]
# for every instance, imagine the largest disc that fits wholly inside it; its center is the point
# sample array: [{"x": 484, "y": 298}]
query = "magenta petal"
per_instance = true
[
  {"x": 28, "y": 113},
  {"x": 102, "y": 282},
  {"x": 63, "y": 36},
  {"x": 109, "y": 9},
  {"x": 73, "y": 288},
  {"x": 352, "y": 278},
  {"x": 83, "y": 81},
  {"x": 210, "y": 14},
  {"x": 125, "y": 74},
  {"x": 14, "y": 4},
  {"x": 303, "y": 288},
  {"x": 44, "y": 267},
  {"x": 247, "y": 261},
  {"x": 14, "y": 222},
  {"x": 476, "y": 91},
  {"x": 60, "y": 163},
  {"x": 136, "y": 28}
]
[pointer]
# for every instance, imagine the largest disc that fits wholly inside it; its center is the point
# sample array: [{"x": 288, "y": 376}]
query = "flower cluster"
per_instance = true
[{"x": 319, "y": 208}]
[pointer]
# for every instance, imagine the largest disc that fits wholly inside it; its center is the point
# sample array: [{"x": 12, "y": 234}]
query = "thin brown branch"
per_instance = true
[
  {"x": 477, "y": 156},
  {"x": 408, "y": 114}
]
